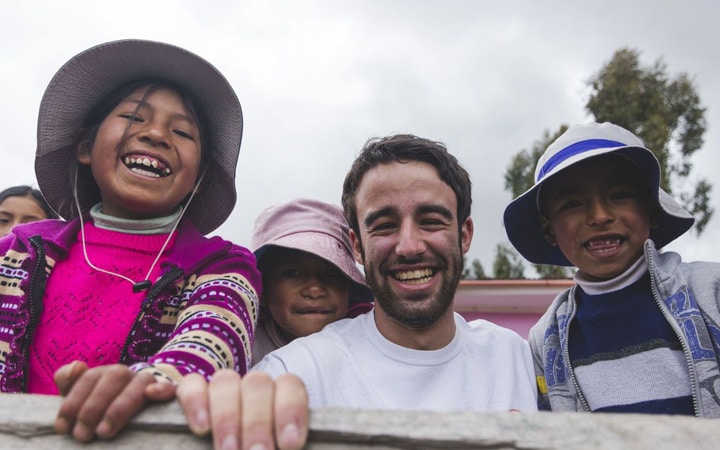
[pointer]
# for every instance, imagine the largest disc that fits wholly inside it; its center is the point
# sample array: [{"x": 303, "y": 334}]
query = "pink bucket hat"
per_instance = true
[
  {"x": 578, "y": 143},
  {"x": 315, "y": 227}
]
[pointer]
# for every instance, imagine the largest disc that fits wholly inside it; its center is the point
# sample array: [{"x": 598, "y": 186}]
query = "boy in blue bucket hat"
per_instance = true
[{"x": 640, "y": 329}]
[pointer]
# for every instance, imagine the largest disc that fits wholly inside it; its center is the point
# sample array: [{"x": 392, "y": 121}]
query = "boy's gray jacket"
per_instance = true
[{"x": 688, "y": 294}]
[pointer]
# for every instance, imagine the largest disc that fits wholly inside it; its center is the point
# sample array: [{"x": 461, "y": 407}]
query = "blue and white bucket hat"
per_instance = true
[{"x": 578, "y": 143}]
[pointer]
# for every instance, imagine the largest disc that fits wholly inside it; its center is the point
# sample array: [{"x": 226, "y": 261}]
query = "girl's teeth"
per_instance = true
[{"x": 147, "y": 162}]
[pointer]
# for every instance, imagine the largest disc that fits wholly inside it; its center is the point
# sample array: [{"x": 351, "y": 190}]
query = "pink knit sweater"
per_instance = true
[{"x": 87, "y": 315}]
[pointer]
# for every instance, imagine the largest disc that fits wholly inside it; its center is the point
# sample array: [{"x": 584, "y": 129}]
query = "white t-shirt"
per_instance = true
[{"x": 350, "y": 364}]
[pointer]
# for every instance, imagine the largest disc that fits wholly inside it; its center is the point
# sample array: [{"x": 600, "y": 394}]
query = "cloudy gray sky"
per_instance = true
[{"x": 316, "y": 78}]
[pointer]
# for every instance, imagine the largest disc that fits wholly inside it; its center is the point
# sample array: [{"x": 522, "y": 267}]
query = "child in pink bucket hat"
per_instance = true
[
  {"x": 309, "y": 275},
  {"x": 639, "y": 332}
]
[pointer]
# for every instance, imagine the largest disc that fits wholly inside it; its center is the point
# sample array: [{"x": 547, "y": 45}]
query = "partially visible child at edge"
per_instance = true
[
  {"x": 142, "y": 138},
  {"x": 309, "y": 274},
  {"x": 22, "y": 204},
  {"x": 640, "y": 329}
]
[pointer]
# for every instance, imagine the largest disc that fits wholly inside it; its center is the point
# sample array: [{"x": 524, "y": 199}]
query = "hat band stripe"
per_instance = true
[{"x": 572, "y": 150}]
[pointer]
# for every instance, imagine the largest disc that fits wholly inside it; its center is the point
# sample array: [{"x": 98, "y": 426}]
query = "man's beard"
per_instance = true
[{"x": 418, "y": 312}]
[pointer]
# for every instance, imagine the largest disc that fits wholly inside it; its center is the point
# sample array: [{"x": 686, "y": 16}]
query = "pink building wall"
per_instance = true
[{"x": 514, "y": 304}]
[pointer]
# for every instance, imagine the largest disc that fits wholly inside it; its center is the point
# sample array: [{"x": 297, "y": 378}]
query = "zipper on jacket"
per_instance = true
[
  {"x": 566, "y": 354},
  {"x": 674, "y": 326},
  {"x": 155, "y": 290},
  {"x": 38, "y": 281}
]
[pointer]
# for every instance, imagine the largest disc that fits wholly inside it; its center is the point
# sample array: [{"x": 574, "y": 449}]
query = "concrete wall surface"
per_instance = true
[{"x": 26, "y": 423}]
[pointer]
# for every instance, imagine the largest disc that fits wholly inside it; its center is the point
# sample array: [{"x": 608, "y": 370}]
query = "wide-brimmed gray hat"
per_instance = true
[
  {"x": 578, "y": 143},
  {"x": 314, "y": 227},
  {"x": 87, "y": 78}
]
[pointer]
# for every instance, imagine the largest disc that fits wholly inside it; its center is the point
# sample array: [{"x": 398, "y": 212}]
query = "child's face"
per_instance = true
[
  {"x": 304, "y": 292},
  {"x": 19, "y": 209},
  {"x": 146, "y": 155},
  {"x": 598, "y": 213}
]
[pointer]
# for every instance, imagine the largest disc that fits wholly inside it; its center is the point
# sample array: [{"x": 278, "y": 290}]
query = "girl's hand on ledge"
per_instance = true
[{"x": 100, "y": 401}]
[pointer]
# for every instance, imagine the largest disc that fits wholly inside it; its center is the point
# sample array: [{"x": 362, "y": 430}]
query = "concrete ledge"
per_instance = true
[{"x": 26, "y": 423}]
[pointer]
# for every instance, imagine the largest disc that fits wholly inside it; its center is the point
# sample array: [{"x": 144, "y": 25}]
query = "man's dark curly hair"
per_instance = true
[{"x": 404, "y": 148}]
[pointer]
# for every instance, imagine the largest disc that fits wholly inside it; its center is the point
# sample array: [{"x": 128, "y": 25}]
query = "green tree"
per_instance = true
[
  {"x": 520, "y": 176},
  {"x": 550, "y": 272},
  {"x": 665, "y": 112},
  {"x": 507, "y": 264},
  {"x": 473, "y": 272}
]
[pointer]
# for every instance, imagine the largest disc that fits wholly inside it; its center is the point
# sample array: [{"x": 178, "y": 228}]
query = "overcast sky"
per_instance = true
[{"x": 316, "y": 79}]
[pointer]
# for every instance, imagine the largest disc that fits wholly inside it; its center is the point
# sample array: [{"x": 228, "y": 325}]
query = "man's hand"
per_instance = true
[
  {"x": 242, "y": 413},
  {"x": 100, "y": 401}
]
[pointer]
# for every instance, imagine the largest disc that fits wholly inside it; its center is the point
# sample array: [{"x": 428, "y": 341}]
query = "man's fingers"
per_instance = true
[
  {"x": 241, "y": 410},
  {"x": 257, "y": 409},
  {"x": 225, "y": 410},
  {"x": 292, "y": 413},
  {"x": 192, "y": 393}
]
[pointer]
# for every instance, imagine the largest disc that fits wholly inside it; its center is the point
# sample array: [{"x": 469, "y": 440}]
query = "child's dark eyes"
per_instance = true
[
  {"x": 623, "y": 195},
  {"x": 328, "y": 274},
  {"x": 138, "y": 119},
  {"x": 569, "y": 204},
  {"x": 132, "y": 117},
  {"x": 184, "y": 134},
  {"x": 290, "y": 273}
]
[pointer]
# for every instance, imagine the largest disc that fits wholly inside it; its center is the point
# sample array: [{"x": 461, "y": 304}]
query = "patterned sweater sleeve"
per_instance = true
[{"x": 216, "y": 320}]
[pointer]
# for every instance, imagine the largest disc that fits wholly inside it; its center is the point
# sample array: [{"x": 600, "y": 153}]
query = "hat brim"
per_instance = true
[
  {"x": 90, "y": 76},
  {"x": 329, "y": 249},
  {"x": 522, "y": 218}
]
